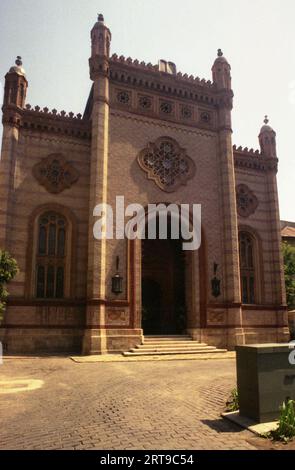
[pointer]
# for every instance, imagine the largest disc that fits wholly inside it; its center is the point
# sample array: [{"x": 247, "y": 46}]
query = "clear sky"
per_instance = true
[{"x": 257, "y": 37}]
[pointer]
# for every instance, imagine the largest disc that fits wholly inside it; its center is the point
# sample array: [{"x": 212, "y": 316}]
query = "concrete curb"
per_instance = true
[
  {"x": 260, "y": 429},
  {"x": 175, "y": 357}
]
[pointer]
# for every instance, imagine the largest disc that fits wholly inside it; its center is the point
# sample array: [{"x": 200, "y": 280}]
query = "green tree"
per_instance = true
[
  {"x": 8, "y": 270},
  {"x": 289, "y": 268}
]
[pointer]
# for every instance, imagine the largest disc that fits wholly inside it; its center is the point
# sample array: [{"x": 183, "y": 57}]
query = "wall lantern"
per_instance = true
[
  {"x": 117, "y": 280},
  {"x": 215, "y": 282}
]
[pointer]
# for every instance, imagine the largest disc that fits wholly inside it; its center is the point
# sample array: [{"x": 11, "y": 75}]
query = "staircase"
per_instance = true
[{"x": 172, "y": 344}]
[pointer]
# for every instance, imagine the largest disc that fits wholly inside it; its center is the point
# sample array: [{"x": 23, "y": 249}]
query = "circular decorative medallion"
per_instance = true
[
  {"x": 186, "y": 112},
  {"x": 145, "y": 102},
  {"x": 166, "y": 107},
  {"x": 166, "y": 163},
  {"x": 55, "y": 173},
  {"x": 123, "y": 97},
  {"x": 205, "y": 117},
  {"x": 247, "y": 202}
]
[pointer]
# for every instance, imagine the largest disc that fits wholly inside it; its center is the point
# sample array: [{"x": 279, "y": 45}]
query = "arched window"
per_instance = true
[
  {"x": 51, "y": 256},
  {"x": 247, "y": 268}
]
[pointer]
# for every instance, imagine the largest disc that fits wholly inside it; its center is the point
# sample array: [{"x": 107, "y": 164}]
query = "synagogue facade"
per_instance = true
[{"x": 152, "y": 135}]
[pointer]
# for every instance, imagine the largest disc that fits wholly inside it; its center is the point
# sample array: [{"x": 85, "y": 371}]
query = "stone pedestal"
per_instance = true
[
  {"x": 291, "y": 322},
  {"x": 265, "y": 379}
]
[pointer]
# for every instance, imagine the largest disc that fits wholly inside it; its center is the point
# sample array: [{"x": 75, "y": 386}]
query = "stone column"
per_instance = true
[
  {"x": 278, "y": 280},
  {"x": 7, "y": 169},
  {"x": 15, "y": 91},
  {"x": 95, "y": 339},
  {"x": 267, "y": 140},
  {"x": 230, "y": 241}
]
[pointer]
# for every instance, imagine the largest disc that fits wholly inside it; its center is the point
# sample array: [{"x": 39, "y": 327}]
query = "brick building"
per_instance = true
[
  {"x": 288, "y": 232},
  {"x": 140, "y": 121}
]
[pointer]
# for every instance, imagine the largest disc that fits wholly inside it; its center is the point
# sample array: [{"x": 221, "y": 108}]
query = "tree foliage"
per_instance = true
[
  {"x": 8, "y": 270},
  {"x": 289, "y": 268},
  {"x": 286, "y": 428}
]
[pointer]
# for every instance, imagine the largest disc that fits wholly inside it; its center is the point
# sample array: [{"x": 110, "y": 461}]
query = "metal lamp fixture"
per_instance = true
[
  {"x": 215, "y": 283},
  {"x": 117, "y": 280}
]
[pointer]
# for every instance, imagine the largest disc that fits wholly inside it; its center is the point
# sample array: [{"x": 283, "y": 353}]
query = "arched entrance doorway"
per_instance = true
[{"x": 163, "y": 287}]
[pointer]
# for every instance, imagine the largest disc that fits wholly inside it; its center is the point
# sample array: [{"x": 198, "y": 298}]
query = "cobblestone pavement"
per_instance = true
[{"x": 142, "y": 405}]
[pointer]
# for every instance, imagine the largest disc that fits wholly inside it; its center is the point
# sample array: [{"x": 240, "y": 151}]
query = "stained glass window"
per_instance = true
[{"x": 51, "y": 256}]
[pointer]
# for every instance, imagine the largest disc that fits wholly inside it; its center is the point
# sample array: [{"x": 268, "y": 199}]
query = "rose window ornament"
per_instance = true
[
  {"x": 166, "y": 163},
  {"x": 145, "y": 102},
  {"x": 247, "y": 202},
  {"x": 55, "y": 173},
  {"x": 205, "y": 117},
  {"x": 186, "y": 112},
  {"x": 166, "y": 107},
  {"x": 123, "y": 97}
]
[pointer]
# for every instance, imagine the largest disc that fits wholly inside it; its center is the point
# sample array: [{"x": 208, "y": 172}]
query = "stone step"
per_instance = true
[
  {"x": 176, "y": 350},
  {"x": 165, "y": 352},
  {"x": 170, "y": 344},
  {"x": 160, "y": 345},
  {"x": 188, "y": 344},
  {"x": 166, "y": 341},
  {"x": 167, "y": 337}
]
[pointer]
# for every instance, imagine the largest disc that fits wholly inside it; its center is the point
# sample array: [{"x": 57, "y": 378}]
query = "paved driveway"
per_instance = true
[{"x": 55, "y": 403}]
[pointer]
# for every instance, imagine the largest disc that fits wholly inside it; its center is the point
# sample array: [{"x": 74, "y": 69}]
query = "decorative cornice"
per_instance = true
[
  {"x": 254, "y": 160},
  {"x": 148, "y": 77},
  {"x": 154, "y": 69},
  {"x": 54, "y": 112},
  {"x": 44, "y": 120},
  {"x": 245, "y": 151}
]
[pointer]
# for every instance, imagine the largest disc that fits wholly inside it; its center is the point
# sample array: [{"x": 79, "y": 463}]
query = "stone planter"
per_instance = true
[{"x": 291, "y": 321}]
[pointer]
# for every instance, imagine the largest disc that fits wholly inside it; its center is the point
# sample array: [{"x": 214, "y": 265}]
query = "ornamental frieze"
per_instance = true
[
  {"x": 166, "y": 163},
  {"x": 55, "y": 173},
  {"x": 247, "y": 202},
  {"x": 172, "y": 108}
]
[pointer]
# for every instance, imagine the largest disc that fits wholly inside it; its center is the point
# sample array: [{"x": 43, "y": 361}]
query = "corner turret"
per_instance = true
[
  {"x": 16, "y": 85},
  {"x": 221, "y": 72},
  {"x": 100, "y": 49},
  {"x": 267, "y": 140}
]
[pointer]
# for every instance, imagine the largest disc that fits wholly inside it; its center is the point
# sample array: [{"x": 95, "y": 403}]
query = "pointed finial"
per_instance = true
[
  {"x": 100, "y": 17},
  {"x": 266, "y": 120},
  {"x": 219, "y": 53},
  {"x": 18, "y": 61}
]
